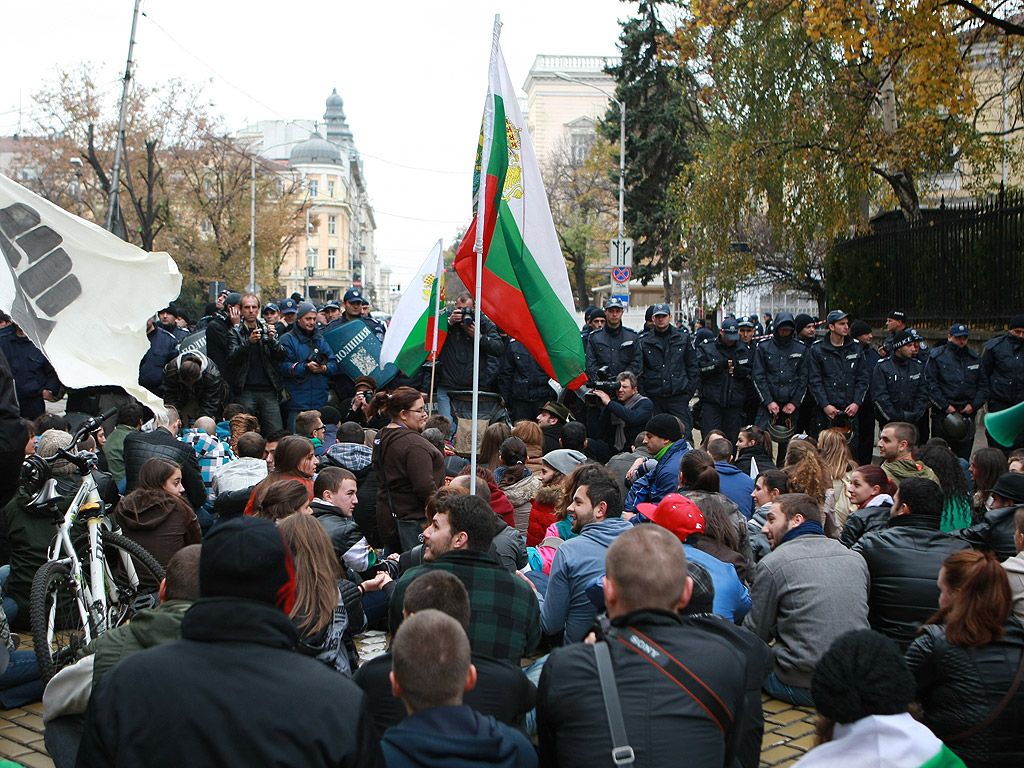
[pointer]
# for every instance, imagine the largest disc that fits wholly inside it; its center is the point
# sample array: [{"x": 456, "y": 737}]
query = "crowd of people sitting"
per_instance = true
[{"x": 538, "y": 608}]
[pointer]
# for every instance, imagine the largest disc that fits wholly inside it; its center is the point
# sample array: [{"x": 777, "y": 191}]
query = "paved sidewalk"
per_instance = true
[{"x": 789, "y": 730}]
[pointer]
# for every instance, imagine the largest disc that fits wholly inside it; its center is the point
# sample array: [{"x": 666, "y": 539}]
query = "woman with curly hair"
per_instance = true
[
  {"x": 956, "y": 511},
  {"x": 809, "y": 474}
]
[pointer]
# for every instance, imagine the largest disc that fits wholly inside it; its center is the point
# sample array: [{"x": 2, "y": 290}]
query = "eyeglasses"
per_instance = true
[
  {"x": 422, "y": 409},
  {"x": 321, "y": 428}
]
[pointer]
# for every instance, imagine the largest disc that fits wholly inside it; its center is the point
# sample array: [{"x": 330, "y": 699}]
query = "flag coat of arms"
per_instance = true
[
  {"x": 525, "y": 283},
  {"x": 80, "y": 293},
  {"x": 420, "y": 324}
]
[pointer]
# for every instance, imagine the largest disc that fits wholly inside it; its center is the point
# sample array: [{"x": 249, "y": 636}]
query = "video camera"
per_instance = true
[{"x": 610, "y": 388}]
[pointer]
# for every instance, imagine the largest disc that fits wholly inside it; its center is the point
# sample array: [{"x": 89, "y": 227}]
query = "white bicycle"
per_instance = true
[{"x": 89, "y": 584}]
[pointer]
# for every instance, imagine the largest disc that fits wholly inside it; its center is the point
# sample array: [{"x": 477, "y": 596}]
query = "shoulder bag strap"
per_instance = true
[
  {"x": 622, "y": 753},
  {"x": 974, "y": 729}
]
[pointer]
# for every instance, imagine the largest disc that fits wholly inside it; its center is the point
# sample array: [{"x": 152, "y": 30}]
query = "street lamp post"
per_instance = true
[{"x": 76, "y": 163}]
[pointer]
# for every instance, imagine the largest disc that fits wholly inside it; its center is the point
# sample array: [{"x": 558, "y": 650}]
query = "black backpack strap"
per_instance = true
[
  {"x": 622, "y": 753},
  {"x": 676, "y": 671}
]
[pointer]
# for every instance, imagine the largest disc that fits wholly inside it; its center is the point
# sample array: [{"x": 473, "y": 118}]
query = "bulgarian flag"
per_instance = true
[
  {"x": 525, "y": 282},
  {"x": 419, "y": 327}
]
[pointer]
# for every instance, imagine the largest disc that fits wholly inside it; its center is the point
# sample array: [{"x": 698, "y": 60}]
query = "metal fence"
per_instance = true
[{"x": 959, "y": 263}]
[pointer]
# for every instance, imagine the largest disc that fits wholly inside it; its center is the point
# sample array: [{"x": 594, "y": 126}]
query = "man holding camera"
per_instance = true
[
  {"x": 615, "y": 423},
  {"x": 309, "y": 362},
  {"x": 254, "y": 350},
  {"x": 455, "y": 362}
]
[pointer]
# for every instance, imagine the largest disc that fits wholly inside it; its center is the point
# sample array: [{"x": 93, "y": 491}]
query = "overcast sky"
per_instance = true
[{"x": 413, "y": 76}]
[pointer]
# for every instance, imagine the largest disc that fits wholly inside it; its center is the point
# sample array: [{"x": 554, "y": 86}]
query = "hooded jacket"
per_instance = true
[
  {"x": 578, "y": 562},
  {"x": 717, "y": 386},
  {"x": 457, "y": 736},
  {"x": 159, "y": 522},
  {"x": 737, "y": 485},
  {"x": 409, "y": 469},
  {"x": 542, "y": 513},
  {"x": 209, "y": 391},
  {"x": 520, "y": 495},
  {"x": 780, "y": 366}
]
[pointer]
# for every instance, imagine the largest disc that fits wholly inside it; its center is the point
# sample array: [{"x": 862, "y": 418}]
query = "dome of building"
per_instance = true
[
  {"x": 315, "y": 149},
  {"x": 335, "y": 104}
]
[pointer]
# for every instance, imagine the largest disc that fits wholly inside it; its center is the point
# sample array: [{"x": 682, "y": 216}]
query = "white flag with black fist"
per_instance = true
[{"x": 81, "y": 294}]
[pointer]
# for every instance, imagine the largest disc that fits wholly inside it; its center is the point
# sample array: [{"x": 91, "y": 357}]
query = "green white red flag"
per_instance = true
[
  {"x": 419, "y": 326},
  {"x": 525, "y": 283}
]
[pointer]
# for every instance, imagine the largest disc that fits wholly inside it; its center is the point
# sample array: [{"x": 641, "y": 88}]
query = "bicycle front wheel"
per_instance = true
[
  {"x": 56, "y": 616},
  {"x": 133, "y": 578}
]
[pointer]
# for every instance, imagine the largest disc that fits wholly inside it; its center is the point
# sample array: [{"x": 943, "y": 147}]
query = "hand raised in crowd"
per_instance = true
[{"x": 235, "y": 314}]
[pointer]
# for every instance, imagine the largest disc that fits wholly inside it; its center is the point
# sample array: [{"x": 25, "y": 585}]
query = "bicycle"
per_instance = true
[{"x": 91, "y": 585}]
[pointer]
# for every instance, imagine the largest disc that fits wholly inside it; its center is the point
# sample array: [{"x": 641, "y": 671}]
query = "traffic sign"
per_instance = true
[
  {"x": 621, "y": 274},
  {"x": 621, "y": 252}
]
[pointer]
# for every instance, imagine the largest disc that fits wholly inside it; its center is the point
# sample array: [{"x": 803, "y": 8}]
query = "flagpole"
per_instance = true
[
  {"x": 437, "y": 319},
  {"x": 478, "y": 248}
]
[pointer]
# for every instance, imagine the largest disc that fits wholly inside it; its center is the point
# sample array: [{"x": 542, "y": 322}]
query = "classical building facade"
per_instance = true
[{"x": 336, "y": 251}]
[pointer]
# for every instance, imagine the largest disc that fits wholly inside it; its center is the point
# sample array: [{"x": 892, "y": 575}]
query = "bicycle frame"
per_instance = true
[{"x": 91, "y": 593}]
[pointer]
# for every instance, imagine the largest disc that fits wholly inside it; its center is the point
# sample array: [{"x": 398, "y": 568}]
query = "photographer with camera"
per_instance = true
[
  {"x": 254, "y": 351},
  {"x": 616, "y": 414},
  {"x": 455, "y": 361},
  {"x": 309, "y": 362},
  {"x": 362, "y": 409}
]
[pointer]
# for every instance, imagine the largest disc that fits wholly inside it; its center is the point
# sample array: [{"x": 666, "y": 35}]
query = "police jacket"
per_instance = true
[
  {"x": 268, "y": 351},
  {"x": 780, "y": 370},
  {"x": 954, "y": 376},
  {"x": 669, "y": 363},
  {"x": 1003, "y": 362},
  {"x": 898, "y": 389},
  {"x": 455, "y": 360},
  {"x": 837, "y": 375},
  {"x": 520, "y": 376},
  {"x": 662, "y": 716},
  {"x": 616, "y": 349},
  {"x": 717, "y": 387},
  {"x": 904, "y": 560}
]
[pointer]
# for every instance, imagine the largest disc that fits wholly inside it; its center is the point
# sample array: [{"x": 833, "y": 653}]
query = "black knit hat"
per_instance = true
[
  {"x": 665, "y": 426},
  {"x": 247, "y": 557},
  {"x": 858, "y": 328},
  {"x": 802, "y": 321},
  {"x": 862, "y": 674}
]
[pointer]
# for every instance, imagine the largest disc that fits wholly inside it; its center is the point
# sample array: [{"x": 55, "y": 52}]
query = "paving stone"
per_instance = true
[
  {"x": 785, "y": 717},
  {"x": 10, "y": 748},
  {"x": 774, "y": 705},
  {"x": 776, "y": 755},
  {"x": 36, "y": 760},
  {"x": 804, "y": 742},
  {"x": 31, "y": 720},
  {"x": 20, "y": 735},
  {"x": 796, "y": 729}
]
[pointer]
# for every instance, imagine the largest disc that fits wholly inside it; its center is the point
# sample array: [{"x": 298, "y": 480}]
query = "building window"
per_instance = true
[
  {"x": 332, "y": 257},
  {"x": 330, "y": 189},
  {"x": 314, "y": 187},
  {"x": 312, "y": 257},
  {"x": 332, "y": 225}
]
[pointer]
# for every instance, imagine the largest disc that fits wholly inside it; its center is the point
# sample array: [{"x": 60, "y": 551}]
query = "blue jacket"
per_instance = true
[
  {"x": 578, "y": 562},
  {"x": 732, "y": 598},
  {"x": 163, "y": 347},
  {"x": 32, "y": 373},
  {"x": 1003, "y": 361},
  {"x": 520, "y": 376},
  {"x": 736, "y": 485},
  {"x": 663, "y": 480},
  {"x": 898, "y": 389},
  {"x": 306, "y": 390},
  {"x": 457, "y": 736},
  {"x": 955, "y": 376}
]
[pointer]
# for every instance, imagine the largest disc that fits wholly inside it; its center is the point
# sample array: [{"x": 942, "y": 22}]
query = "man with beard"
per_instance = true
[{"x": 506, "y": 621}]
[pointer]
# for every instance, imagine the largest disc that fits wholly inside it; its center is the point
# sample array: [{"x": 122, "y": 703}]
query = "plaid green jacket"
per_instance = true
[{"x": 505, "y": 622}]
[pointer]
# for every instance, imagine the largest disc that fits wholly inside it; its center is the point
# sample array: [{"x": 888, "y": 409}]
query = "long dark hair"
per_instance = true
[
  {"x": 155, "y": 472},
  {"x": 513, "y": 457},
  {"x": 989, "y": 465},
  {"x": 396, "y": 402},
  {"x": 697, "y": 471}
]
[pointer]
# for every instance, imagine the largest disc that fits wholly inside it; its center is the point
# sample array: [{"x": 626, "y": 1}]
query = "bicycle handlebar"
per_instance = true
[{"x": 83, "y": 459}]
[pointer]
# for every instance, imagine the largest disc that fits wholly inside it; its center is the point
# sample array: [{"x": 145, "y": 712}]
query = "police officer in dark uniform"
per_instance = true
[
  {"x": 805, "y": 334},
  {"x": 864, "y": 449},
  {"x": 898, "y": 387},
  {"x": 1003, "y": 361},
  {"x": 669, "y": 372},
  {"x": 612, "y": 349},
  {"x": 957, "y": 383},
  {"x": 837, "y": 376},
  {"x": 522, "y": 383},
  {"x": 748, "y": 335},
  {"x": 780, "y": 373},
  {"x": 726, "y": 367}
]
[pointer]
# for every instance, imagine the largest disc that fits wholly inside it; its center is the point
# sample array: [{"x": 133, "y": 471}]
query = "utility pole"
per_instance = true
[{"x": 115, "y": 173}]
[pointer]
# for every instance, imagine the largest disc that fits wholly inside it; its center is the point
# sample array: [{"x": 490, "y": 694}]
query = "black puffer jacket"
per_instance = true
[
  {"x": 615, "y": 349},
  {"x": 780, "y": 367},
  {"x": 959, "y": 686},
  {"x": 994, "y": 531},
  {"x": 343, "y": 531},
  {"x": 904, "y": 560},
  {"x": 139, "y": 447}
]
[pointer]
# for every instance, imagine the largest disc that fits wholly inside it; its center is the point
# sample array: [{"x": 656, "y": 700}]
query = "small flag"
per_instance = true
[{"x": 420, "y": 324}]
